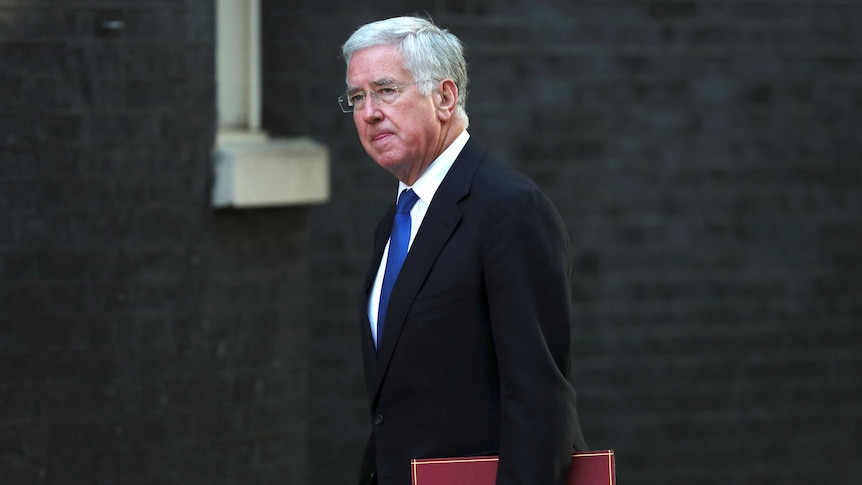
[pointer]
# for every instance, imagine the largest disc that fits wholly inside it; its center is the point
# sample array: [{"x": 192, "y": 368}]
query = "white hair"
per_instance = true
[{"x": 429, "y": 53}]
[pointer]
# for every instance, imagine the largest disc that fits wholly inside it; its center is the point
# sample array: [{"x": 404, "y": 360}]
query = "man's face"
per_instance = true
[{"x": 402, "y": 137}]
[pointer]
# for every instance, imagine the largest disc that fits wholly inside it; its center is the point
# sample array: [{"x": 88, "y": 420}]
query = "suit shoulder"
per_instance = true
[
  {"x": 505, "y": 193},
  {"x": 496, "y": 179},
  {"x": 488, "y": 182}
]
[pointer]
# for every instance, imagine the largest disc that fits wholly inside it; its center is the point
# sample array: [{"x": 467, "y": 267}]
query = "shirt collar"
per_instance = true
[{"x": 428, "y": 183}]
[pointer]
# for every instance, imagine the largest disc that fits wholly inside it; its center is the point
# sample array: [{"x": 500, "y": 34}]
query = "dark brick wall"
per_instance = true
[
  {"x": 144, "y": 337},
  {"x": 705, "y": 156}
]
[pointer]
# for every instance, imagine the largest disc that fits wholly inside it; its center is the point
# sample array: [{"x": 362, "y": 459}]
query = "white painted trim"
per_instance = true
[
  {"x": 252, "y": 170},
  {"x": 238, "y": 64}
]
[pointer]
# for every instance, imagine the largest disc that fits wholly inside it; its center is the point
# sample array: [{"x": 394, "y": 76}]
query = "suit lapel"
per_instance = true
[
  {"x": 369, "y": 352},
  {"x": 381, "y": 235},
  {"x": 440, "y": 221}
]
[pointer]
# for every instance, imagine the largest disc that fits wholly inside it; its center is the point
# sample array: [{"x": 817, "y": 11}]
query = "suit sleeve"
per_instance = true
[{"x": 527, "y": 264}]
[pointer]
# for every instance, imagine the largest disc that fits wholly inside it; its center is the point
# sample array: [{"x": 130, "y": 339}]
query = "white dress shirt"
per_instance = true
[{"x": 425, "y": 187}]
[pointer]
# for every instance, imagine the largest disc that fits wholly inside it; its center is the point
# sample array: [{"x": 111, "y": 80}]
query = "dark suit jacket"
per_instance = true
[{"x": 476, "y": 344}]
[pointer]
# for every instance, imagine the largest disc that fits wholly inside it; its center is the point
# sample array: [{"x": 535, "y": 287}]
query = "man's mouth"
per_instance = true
[{"x": 381, "y": 137}]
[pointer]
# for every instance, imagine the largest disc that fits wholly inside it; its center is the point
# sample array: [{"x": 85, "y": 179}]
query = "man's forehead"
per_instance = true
[{"x": 372, "y": 64}]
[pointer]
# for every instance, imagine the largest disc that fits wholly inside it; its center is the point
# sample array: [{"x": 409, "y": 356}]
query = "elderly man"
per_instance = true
[{"x": 465, "y": 311}]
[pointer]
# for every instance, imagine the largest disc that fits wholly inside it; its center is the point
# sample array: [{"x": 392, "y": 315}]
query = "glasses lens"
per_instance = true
[
  {"x": 345, "y": 104},
  {"x": 388, "y": 94}
]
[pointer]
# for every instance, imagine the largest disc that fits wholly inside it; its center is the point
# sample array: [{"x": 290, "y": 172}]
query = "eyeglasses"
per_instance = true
[{"x": 385, "y": 93}]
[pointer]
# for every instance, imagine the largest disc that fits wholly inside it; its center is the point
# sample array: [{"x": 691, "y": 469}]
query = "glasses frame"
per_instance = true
[{"x": 347, "y": 106}]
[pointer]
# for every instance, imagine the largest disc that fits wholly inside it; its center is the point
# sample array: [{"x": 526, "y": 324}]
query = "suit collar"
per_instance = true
[{"x": 429, "y": 182}]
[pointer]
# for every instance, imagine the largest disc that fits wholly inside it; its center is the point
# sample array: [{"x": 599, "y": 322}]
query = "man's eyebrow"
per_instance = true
[
  {"x": 377, "y": 83},
  {"x": 383, "y": 82}
]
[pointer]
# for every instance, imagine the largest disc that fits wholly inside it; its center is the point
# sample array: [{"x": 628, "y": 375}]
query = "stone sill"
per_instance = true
[{"x": 253, "y": 170}]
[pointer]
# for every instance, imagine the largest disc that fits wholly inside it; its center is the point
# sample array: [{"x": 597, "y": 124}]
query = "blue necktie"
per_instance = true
[{"x": 399, "y": 242}]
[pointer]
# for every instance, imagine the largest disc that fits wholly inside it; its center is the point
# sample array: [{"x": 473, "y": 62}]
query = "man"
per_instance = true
[{"x": 466, "y": 348}]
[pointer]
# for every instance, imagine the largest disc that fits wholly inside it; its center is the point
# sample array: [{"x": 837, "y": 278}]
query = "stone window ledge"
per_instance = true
[{"x": 253, "y": 170}]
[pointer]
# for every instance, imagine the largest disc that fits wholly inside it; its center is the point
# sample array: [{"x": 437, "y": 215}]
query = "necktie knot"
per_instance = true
[{"x": 406, "y": 201}]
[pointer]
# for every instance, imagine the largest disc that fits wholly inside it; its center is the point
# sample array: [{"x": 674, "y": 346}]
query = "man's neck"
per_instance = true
[{"x": 449, "y": 132}]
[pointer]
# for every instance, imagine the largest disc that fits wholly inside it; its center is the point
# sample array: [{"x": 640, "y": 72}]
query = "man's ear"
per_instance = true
[{"x": 447, "y": 100}]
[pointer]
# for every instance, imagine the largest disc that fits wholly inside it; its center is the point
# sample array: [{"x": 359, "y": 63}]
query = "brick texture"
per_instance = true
[
  {"x": 145, "y": 337},
  {"x": 704, "y": 155}
]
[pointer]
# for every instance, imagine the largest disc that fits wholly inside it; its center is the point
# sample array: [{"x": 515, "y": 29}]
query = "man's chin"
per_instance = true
[
  {"x": 398, "y": 168},
  {"x": 388, "y": 161}
]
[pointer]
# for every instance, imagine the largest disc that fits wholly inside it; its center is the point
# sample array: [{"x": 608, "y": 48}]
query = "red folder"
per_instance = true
[{"x": 587, "y": 468}]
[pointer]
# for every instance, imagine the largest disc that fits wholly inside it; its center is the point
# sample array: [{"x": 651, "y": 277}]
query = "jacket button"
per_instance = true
[{"x": 378, "y": 420}]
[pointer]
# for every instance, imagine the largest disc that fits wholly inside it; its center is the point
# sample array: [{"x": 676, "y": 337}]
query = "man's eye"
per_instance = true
[
  {"x": 386, "y": 91},
  {"x": 357, "y": 98}
]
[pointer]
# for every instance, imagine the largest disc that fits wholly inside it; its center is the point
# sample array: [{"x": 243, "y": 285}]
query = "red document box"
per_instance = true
[{"x": 587, "y": 468}]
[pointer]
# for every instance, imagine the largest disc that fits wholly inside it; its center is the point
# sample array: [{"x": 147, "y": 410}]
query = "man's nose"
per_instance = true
[{"x": 370, "y": 111}]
